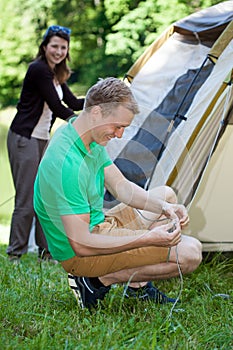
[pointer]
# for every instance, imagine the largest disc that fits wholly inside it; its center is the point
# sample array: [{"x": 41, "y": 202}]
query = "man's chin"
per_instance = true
[{"x": 104, "y": 143}]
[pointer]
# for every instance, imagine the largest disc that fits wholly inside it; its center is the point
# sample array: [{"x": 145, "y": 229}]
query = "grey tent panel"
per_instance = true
[{"x": 207, "y": 19}]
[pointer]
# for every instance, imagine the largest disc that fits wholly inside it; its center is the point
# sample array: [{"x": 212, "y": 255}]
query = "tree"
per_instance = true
[
  {"x": 107, "y": 35},
  {"x": 15, "y": 49},
  {"x": 138, "y": 28}
]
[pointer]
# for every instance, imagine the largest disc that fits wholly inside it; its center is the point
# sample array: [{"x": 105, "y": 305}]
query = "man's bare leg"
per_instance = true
[
  {"x": 150, "y": 219},
  {"x": 188, "y": 252}
]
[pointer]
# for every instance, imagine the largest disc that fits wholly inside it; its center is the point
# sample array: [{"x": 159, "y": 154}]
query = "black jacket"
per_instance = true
[{"x": 38, "y": 87}]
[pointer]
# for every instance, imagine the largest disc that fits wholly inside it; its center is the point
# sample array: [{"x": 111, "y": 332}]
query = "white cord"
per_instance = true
[
  {"x": 151, "y": 220},
  {"x": 181, "y": 284},
  {"x": 177, "y": 262}
]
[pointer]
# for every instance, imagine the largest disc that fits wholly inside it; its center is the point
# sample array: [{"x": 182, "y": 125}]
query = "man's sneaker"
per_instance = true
[
  {"x": 14, "y": 259},
  {"x": 85, "y": 293},
  {"x": 148, "y": 292},
  {"x": 45, "y": 256}
]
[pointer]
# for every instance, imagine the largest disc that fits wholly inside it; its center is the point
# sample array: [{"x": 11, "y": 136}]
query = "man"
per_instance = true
[{"x": 123, "y": 245}]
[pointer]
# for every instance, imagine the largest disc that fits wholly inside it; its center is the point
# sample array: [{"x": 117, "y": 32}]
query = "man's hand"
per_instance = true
[
  {"x": 166, "y": 235},
  {"x": 176, "y": 211}
]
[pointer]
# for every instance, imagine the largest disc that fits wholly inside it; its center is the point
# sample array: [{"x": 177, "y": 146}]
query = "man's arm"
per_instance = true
[
  {"x": 135, "y": 196},
  {"x": 129, "y": 193},
  {"x": 85, "y": 243}
]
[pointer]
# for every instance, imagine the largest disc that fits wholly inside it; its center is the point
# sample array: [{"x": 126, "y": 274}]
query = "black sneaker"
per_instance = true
[
  {"x": 45, "y": 256},
  {"x": 148, "y": 292},
  {"x": 14, "y": 259},
  {"x": 85, "y": 293}
]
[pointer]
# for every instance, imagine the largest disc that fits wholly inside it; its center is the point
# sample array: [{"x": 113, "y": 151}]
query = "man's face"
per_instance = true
[{"x": 112, "y": 126}]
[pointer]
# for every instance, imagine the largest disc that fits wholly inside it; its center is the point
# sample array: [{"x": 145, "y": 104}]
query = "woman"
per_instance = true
[{"x": 43, "y": 91}]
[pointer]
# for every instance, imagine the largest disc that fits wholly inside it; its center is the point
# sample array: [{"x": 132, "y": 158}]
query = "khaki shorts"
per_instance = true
[{"x": 119, "y": 221}]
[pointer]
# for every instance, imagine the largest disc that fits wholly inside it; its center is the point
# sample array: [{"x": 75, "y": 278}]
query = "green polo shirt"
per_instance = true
[{"x": 70, "y": 180}]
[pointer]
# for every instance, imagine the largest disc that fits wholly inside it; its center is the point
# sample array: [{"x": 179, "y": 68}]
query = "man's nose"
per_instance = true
[{"x": 119, "y": 132}]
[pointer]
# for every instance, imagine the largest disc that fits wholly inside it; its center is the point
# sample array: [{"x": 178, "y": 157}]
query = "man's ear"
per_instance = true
[{"x": 96, "y": 112}]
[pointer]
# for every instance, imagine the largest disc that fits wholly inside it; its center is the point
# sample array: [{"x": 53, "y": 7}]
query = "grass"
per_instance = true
[
  {"x": 6, "y": 184},
  {"x": 38, "y": 311}
]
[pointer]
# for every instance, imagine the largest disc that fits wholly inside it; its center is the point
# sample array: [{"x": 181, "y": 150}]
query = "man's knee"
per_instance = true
[
  {"x": 166, "y": 193},
  {"x": 189, "y": 254},
  {"x": 170, "y": 195}
]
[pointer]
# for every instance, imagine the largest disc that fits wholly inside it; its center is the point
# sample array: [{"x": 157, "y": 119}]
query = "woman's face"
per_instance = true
[{"x": 56, "y": 50}]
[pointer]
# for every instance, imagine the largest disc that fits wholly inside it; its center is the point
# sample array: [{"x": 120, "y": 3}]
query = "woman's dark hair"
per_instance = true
[{"x": 61, "y": 70}]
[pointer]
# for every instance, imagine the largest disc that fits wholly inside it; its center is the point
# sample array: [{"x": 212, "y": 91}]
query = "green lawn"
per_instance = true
[
  {"x": 6, "y": 183},
  {"x": 38, "y": 311}
]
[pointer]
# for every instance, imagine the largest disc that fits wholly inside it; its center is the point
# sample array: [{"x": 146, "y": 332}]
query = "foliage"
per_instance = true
[
  {"x": 107, "y": 35},
  {"x": 38, "y": 311},
  {"x": 138, "y": 28},
  {"x": 6, "y": 183},
  {"x": 15, "y": 49}
]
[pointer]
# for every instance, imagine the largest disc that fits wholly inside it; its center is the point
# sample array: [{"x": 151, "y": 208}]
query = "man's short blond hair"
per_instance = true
[{"x": 110, "y": 93}]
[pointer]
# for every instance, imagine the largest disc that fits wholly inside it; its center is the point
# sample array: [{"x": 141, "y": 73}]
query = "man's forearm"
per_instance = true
[
  {"x": 136, "y": 197},
  {"x": 100, "y": 244}
]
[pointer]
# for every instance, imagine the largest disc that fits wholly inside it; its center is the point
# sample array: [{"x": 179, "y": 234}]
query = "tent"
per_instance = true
[{"x": 183, "y": 135}]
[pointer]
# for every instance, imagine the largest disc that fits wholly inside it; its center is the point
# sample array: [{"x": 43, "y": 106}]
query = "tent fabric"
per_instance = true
[
  {"x": 211, "y": 211},
  {"x": 222, "y": 42},
  {"x": 183, "y": 85},
  {"x": 159, "y": 87},
  {"x": 153, "y": 141},
  {"x": 207, "y": 19},
  {"x": 157, "y": 77},
  {"x": 207, "y": 107},
  {"x": 148, "y": 53},
  {"x": 211, "y": 22}
]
